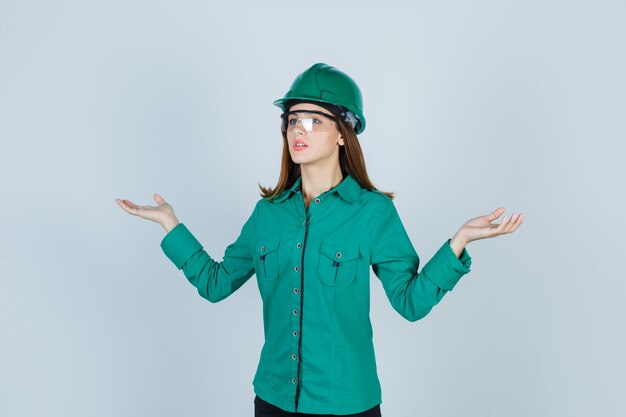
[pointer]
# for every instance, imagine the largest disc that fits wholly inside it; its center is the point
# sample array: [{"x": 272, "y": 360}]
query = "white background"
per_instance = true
[{"x": 470, "y": 106}]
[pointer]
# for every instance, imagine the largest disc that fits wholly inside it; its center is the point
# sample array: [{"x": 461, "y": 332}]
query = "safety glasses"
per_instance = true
[{"x": 310, "y": 120}]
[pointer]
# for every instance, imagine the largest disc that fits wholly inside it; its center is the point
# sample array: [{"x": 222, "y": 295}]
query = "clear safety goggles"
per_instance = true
[{"x": 310, "y": 120}]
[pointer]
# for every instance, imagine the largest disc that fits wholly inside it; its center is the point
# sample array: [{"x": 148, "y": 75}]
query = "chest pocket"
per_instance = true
[
  {"x": 266, "y": 258},
  {"x": 338, "y": 262}
]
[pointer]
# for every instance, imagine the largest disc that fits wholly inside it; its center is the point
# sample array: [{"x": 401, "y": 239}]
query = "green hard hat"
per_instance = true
[{"x": 326, "y": 84}]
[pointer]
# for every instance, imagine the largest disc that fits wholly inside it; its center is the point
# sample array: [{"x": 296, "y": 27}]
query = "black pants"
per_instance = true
[{"x": 264, "y": 409}]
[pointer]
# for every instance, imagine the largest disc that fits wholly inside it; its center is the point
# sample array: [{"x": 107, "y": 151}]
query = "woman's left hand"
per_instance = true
[{"x": 481, "y": 227}]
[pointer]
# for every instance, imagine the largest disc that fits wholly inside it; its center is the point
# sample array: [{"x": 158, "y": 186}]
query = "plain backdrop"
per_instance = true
[{"x": 470, "y": 106}]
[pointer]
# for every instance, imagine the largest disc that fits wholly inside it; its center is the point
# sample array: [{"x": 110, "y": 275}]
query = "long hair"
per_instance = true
[{"x": 351, "y": 162}]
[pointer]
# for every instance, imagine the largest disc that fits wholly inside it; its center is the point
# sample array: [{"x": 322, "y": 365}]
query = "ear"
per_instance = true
[{"x": 341, "y": 141}]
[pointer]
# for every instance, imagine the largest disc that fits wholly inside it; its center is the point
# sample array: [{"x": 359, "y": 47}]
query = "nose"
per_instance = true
[{"x": 298, "y": 128}]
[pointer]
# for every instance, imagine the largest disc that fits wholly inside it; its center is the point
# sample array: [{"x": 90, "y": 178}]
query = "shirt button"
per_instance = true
[
  {"x": 317, "y": 201},
  {"x": 296, "y": 268},
  {"x": 338, "y": 254},
  {"x": 262, "y": 248},
  {"x": 304, "y": 223},
  {"x": 293, "y": 356},
  {"x": 299, "y": 245},
  {"x": 295, "y": 333},
  {"x": 295, "y": 290},
  {"x": 294, "y": 380},
  {"x": 295, "y": 312}
]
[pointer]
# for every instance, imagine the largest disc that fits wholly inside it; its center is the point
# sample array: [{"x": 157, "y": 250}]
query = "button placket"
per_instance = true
[
  {"x": 297, "y": 316},
  {"x": 296, "y": 283},
  {"x": 294, "y": 363}
]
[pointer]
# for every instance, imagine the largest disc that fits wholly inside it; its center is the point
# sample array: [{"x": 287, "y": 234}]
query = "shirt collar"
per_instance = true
[{"x": 349, "y": 189}]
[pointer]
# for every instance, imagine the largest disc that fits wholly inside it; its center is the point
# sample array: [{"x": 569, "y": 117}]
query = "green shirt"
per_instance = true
[{"x": 313, "y": 273}]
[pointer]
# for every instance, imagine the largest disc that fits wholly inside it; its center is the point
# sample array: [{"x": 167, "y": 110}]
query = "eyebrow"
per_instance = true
[{"x": 310, "y": 112}]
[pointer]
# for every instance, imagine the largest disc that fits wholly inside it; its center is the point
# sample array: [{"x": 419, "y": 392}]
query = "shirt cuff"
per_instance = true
[
  {"x": 179, "y": 244},
  {"x": 445, "y": 269}
]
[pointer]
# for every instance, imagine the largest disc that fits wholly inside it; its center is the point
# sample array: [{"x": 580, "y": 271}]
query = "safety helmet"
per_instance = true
[{"x": 326, "y": 84}]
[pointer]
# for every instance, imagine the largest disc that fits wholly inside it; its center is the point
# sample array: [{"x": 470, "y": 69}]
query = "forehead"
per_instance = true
[{"x": 309, "y": 106}]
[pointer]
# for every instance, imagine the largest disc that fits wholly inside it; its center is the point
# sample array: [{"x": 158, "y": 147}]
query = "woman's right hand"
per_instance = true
[{"x": 162, "y": 214}]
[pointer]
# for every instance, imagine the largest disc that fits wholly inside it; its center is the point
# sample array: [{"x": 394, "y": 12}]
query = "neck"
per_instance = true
[{"x": 316, "y": 181}]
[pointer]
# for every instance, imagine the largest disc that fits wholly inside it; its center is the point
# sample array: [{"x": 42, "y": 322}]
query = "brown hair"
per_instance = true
[{"x": 351, "y": 162}]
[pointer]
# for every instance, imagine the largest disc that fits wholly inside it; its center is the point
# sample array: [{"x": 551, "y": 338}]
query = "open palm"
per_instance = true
[
  {"x": 481, "y": 227},
  {"x": 159, "y": 213}
]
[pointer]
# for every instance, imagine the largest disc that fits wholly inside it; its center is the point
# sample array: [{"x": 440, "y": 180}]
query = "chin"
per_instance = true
[{"x": 298, "y": 159}]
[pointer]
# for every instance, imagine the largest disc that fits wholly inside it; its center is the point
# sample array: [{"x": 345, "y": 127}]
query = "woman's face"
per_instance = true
[{"x": 321, "y": 146}]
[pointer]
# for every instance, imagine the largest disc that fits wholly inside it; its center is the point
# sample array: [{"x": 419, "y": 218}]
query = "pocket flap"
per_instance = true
[
  {"x": 267, "y": 245},
  {"x": 340, "y": 251}
]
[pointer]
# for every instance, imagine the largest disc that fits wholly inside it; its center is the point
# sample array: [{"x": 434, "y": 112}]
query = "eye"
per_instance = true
[
  {"x": 292, "y": 121},
  {"x": 317, "y": 121}
]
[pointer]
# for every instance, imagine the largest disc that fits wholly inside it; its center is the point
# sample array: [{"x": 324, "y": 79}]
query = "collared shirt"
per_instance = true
[{"x": 313, "y": 273}]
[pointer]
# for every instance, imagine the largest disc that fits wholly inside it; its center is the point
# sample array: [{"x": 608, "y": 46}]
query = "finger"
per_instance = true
[
  {"x": 502, "y": 225},
  {"x": 158, "y": 199},
  {"x": 495, "y": 214},
  {"x": 130, "y": 204},
  {"x": 518, "y": 222},
  {"x": 509, "y": 228},
  {"x": 120, "y": 203},
  {"x": 123, "y": 204},
  {"x": 509, "y": 223},
  {"x": 133, "y": 208}
]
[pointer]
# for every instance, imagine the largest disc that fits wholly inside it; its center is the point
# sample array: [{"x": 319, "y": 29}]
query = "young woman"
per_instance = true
[{"x": 311, "y": 241}]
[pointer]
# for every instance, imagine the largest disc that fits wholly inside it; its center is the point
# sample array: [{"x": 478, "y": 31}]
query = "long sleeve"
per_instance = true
[
  {"x": 396, "y": 264},
  {"x": 214, "y": 280}
]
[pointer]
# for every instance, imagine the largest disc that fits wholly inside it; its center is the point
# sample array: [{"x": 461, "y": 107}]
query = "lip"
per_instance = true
[{"x": 299, "y": 148}]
